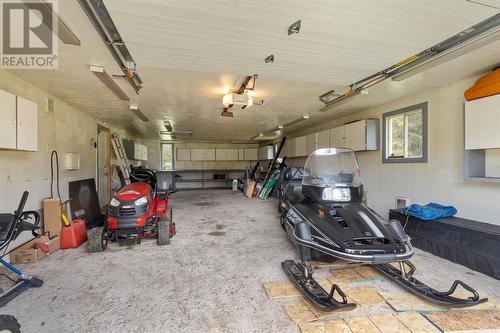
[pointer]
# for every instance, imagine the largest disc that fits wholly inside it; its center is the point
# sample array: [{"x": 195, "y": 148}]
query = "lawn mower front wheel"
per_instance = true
[
  {"x": 97, "y": 241},
  {"x": 163, "y": 231},
  {"x": 9, "y": 324}
]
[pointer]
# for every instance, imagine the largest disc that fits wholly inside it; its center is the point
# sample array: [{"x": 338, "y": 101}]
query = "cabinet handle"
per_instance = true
[{"x": 13, "y": 121}]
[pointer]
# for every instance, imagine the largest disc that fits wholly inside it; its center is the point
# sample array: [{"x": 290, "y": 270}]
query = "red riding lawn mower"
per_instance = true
[{"x": 137, "y": 211}]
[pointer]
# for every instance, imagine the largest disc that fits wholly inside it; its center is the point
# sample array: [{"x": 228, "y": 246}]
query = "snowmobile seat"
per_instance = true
[{"x": 293, "y": 192}]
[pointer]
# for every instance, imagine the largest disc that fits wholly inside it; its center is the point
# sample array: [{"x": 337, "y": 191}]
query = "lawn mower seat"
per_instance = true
[{"x": 142, "y": 175}]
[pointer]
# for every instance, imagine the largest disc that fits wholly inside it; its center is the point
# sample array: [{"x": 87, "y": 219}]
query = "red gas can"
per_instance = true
[{"x": 74, "y": 235}]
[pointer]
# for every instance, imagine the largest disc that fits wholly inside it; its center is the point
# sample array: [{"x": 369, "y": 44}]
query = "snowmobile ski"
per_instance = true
[
  {"x": 313, "y": 292},
  {"x": 420, "y": 289}
]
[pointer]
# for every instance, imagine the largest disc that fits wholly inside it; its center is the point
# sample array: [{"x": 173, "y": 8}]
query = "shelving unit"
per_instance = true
[{"x": 204, "y": 178}]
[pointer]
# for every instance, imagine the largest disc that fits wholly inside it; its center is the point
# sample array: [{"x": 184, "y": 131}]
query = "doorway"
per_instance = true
[{"x": 103, "y": 165}]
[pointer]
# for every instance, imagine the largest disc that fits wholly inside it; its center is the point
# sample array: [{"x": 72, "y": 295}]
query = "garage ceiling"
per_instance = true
[{"x": 190, "y": 52}]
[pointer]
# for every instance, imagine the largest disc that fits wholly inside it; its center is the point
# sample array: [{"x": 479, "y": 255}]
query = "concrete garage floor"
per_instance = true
[{"x": 208, "y": 280}]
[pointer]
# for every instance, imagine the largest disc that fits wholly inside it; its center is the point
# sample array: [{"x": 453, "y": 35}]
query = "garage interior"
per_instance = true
[{"x": 232, "y": 166}]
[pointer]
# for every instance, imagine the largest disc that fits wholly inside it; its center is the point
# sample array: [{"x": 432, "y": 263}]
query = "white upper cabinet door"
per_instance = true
[
  {"x": 27, "y": 125},
  {"x": 144, "y": 151},
  {"x": 290, "y": 148},
  {"x": 8, "y": 121},
  {"x": 202, "y": 154},
  {"x": 226, "y": 154},
  {"x": 301, "y": 146},
  {"x": 323, "y": 139},
  {"x": 183, "y": 154},
  {"x": 250, "y": 154},
  {"x": 355, "y": 135},
  {"x": 337, "y": 137},
  {"x": 482, "y": 123},
  {"x": 311, "y": 142},
  {"x": 241, "y": 154},
  {"x": 137, "y": 151}
]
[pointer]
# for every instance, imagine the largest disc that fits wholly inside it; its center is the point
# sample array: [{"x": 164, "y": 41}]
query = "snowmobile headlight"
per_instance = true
[
  {"x": 141, "y": 201},
  {"x": 336, "y": 194},
  {"x": 114, "y": 202}
]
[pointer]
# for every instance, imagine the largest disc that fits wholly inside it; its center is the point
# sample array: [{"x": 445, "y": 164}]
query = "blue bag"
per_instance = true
[{"x": 431, "y": 211}]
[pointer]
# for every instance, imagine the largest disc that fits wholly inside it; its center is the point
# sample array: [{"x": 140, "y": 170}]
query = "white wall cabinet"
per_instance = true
[
  {"x": 355, "y": 135},
  {"x": 358, "y": 136},
  {"x": 250, "y": 154},
  {"x": 202, "y": 154},
  {"x": 241, "y": 154},
  {"x": 183, "y": 154},
  {"x": 311, "y": 143},
  {"x": 323, "y": 139},
  {"x": 8, "y": 120},
  {"x": 140, "y": 152},
  {"x": 27, "y": 125},
  {"x": 337, "y": 137},
  {"x": 265, "y": 152},
  {"x": 482, "y": 123},
  {"x": 226, "y": 154},
  {"x": 301, "y": 146}
]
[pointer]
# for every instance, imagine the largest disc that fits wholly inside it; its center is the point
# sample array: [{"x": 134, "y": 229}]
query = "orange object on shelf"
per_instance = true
[
  {"x": 488, "y": 85},
  {"x": 74, "y": 235}
]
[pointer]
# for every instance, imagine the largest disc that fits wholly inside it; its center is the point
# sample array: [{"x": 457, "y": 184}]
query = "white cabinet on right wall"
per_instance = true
[
  {"x": 482, "y": 120},
  {"x": 359, "y": 135}
]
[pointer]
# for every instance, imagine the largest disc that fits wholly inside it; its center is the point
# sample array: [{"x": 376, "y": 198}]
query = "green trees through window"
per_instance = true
[
  {"x": 167, "y": 156},
  {"x": 405, "y": 134}
]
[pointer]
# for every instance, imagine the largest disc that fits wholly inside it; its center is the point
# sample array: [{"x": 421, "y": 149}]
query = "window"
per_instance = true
[
  {"x": 405, "y": 135},
  {"x": 167, "y": 161}
]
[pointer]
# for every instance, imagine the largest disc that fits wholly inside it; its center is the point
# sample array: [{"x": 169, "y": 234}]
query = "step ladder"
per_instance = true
[{"x": 121, "y": 158}]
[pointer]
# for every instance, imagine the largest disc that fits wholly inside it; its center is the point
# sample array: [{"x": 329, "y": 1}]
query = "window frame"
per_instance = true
[
  {"x": 385, "y": 136},
  {"x": 161, "y": 156}
]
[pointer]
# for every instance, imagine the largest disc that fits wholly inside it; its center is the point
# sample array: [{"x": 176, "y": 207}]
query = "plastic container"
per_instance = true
[{"x": 74, "y": 235}]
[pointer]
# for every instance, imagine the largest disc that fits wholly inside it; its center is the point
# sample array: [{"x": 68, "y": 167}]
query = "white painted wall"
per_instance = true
[
  {"x": 67, "y": 130},
  {"x": 442, "y": 178}
]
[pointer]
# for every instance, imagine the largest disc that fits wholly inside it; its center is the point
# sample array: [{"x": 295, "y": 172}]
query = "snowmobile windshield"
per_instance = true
[{"x": 331, "y": 167}]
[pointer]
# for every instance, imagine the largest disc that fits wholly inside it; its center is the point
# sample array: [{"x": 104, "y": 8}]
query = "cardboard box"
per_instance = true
[
  {"x": 27, "y": 254},
  {"x": 52, "y": 216},
  {"x": 48, "y": 245}
]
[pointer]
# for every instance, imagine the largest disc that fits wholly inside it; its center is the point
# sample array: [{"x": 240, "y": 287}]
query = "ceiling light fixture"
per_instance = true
[
  {"x": 306, "y": 116},
  {"x": 109, "y": 82},
  {"x": 102, "y": 21},
  {"x": 280, "y": 126},
  {"x": 135, "y": 109},
  {"x": 168, "y": 126},
  {"x": 64, "y": 32},
  {"x": 294, "y": 28},
  {"x": 269, "y": 59}
]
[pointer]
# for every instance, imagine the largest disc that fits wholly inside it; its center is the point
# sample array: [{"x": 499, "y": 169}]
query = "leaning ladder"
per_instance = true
[{"x": 121, "y": 158}]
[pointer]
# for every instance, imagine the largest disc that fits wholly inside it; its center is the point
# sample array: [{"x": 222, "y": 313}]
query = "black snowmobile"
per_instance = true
[{"x": 324, "y": 215}]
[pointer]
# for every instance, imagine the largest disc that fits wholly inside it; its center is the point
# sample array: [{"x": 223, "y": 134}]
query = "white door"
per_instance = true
[
  {"x": 27, "y": 125},
  {"x": 323, "y": 139},
  {"x": 337, "y": 137},
  {"x": 355, "y": 135},
  {"x": 144, "y": 153},
  {"x": 311, "y": 143},
  {"x": 7, "y": 120}
]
